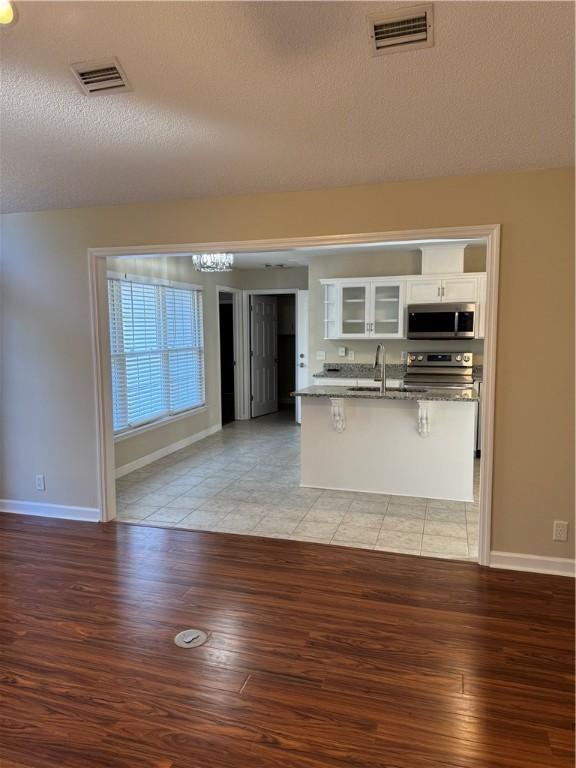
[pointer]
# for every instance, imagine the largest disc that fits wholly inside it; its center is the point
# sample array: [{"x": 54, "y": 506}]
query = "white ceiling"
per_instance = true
[{"x": 240, "y": 97}]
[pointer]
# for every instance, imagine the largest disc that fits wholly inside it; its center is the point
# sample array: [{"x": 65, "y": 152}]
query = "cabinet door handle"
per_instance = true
[
  {"x": 438, "y": 290},
  {"x": 443, "y": 291}
]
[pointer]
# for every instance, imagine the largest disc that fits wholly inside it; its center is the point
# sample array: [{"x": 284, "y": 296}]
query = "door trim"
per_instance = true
[
  {"x": 247, "y": 363},
  {"x": 238, "y": 318},
  {"x": 101, "y": 343}
]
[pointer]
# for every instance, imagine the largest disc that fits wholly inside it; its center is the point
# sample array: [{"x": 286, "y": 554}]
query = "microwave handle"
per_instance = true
[{"x": 457, "y": 323}]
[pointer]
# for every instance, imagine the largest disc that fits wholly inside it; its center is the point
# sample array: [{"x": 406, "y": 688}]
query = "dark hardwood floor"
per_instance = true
[{"x": 317, "y": 656}]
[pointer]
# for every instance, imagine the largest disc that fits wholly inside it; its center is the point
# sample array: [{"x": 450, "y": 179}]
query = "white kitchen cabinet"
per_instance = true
[
  {"x": 449, "y": 289},
  {"x": 460, "y": 288},
  {"x": 387, "y": 309},
  {"x": 330, "y": 311},
  {"x": 371, "y": 309},
  {"x": 375, "y": 308},
  {"x": 326, "y": 381},
  {"x": 424, "y": 291},
  {"x": 354, "y": 306},
  {"x": 390, "y": 383}
]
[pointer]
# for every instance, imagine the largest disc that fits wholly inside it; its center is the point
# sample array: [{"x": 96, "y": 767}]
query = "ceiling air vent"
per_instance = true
[
  {"x": 401, "y": 30},
  {"x": 100, "y": 76}
]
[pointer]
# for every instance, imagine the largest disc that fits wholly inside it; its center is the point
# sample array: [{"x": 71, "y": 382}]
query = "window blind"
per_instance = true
[{"x": 157, "y": 351}]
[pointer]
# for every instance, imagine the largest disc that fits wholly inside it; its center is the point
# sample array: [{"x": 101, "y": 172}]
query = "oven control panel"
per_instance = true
[{"x": 435, "y": 359}]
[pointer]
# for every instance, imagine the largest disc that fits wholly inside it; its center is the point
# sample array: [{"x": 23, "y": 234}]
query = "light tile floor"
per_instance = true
[{"x": 245, "y": 479}]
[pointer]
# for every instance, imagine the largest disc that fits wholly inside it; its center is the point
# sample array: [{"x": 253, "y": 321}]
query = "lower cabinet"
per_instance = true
[{"x": 325, "y": 381}]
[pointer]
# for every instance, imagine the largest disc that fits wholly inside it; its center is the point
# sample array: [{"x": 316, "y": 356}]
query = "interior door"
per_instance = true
[
  {"x": 302, "y": 365},
  {"x": 264, "y": 354}
]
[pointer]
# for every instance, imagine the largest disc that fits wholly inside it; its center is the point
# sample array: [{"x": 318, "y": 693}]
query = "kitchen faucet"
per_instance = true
[{"x": 380, "y": 349}]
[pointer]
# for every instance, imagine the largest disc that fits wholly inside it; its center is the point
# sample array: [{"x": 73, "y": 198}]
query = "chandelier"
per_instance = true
[{"x": 213, "y": 262}]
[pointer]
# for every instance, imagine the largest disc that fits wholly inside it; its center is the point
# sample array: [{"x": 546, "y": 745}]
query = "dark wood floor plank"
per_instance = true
[{"x": 318, "y": 657}]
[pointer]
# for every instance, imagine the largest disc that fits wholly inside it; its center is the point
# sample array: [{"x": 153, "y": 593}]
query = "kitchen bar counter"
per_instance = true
[
  {"x": 401, "y": 443},
  {"x": 443, "y": 395}
]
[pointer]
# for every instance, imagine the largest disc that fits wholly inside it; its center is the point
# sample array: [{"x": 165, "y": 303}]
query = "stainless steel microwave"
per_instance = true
[{"x": 441, "y": 321}]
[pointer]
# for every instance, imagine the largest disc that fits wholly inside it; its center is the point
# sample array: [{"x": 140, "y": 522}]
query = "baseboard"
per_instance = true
[
  {"x": 513, "y": 561},
  {"x": 385, "y": 493},
  {"x": 40, "y": 509},
  {"x": 143, "y": 461}
]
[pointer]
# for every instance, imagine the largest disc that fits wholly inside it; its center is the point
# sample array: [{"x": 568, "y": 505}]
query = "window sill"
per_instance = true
[{"x": 159, "y": 423}]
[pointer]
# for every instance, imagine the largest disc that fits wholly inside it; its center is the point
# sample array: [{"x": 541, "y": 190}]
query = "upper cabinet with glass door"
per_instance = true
[
  {"x": 387, "y": 310},
  {"x": 354, "y": 310},
  {"x": 364, "y": 310}
]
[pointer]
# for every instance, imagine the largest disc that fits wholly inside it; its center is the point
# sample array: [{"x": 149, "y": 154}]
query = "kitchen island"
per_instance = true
[{"x": 402, "y": 443}]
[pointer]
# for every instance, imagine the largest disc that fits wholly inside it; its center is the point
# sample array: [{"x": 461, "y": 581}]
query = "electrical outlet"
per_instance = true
[
  {"x": 403, "y": 356},
  {"x": 560, "y": 530},
  {"x": 351, "y": 354},
  {"x": 40, "y": 482},
  {"x": 341, "y": 351},
  {"x": 320, "y": 355}
]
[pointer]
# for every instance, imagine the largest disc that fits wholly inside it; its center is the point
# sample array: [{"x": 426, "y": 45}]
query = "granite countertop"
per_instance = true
[
  {"x": 366, "y": 371},
  {"x": 358, "y": 371},
  {"x": 445, "y": 395}
]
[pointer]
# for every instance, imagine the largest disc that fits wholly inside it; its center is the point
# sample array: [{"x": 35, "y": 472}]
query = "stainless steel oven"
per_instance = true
[
  {"x": 439, "y": 370},
  {"x": 441, "y": 321}
]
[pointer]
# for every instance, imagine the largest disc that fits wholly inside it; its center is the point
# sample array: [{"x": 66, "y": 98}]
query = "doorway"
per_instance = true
[
  {"x": 227, "y": 358},
  {"x": 105, "y": 440},
  {"x": 272, "y": 353}
]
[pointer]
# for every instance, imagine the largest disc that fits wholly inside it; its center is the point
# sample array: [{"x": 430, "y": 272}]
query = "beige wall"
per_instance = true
[
  {"x": 48, "y": 409},
  {"x": 475, "y": 258},
  {"x": 272, "y": 279},
  {"x": 130, "y": 448}
]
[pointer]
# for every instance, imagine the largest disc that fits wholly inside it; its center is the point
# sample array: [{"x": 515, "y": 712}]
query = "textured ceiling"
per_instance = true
[{"x": 233, "y": 98}]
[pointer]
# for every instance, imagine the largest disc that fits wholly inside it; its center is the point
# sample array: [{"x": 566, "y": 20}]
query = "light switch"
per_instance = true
[{"x": 341, "y": 351}]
